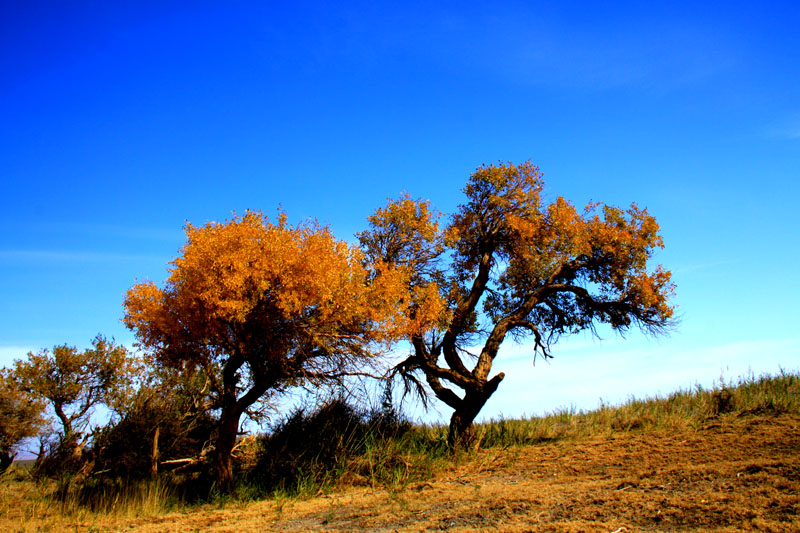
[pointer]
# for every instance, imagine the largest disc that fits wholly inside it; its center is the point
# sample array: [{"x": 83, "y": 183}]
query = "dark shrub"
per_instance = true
[
  {"x": 125, "y": 449},
  {"x": 315, "y": 447}
]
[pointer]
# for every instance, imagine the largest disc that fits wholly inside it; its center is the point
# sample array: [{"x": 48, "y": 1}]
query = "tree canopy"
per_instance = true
[
  {"x": 75, "y": 382},
  {"x": 261, "y": 306},
  {"x": 21, "y": 417},
  {"x": 509, "y": 263}
]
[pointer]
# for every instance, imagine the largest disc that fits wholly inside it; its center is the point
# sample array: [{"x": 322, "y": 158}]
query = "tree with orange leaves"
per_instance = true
[
  {"x": 21, "y": 417},
  {"x": 509, "y": 264},
  {"x": 74, "y": 383},
  {"x": 260, "y": 307}
]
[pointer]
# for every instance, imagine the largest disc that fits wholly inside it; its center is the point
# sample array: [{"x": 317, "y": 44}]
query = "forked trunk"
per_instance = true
[
  {"x": 228, "y": 429},
  {"x": 461, "y": 433},
  {"x": 226, "y": 440}
]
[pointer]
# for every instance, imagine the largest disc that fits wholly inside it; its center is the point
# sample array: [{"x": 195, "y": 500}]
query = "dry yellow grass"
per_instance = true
[
  {"x": 734, "y": 473},
  {"x": 29, "y": 506}
]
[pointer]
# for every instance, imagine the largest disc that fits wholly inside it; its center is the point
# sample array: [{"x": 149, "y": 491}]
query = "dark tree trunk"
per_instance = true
[
  {"x": 6, "y": 459},
  {"x": 70, "y": 446},
  {"x": 228, "y": 429},
  {"x": 461, "y": 432},
  {"x": 226, "y": 440}
]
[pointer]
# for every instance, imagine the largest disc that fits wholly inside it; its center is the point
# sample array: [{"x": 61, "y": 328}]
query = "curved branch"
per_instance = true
[
  {"x": 405, "y": 370},
  {"x": 517, "y": 316},
  {"x": 539, "y": 342},
  {"x": 620, "y": 312},
  {"x": 465, "y": 308},
  {"x": 443, "y": 393}
]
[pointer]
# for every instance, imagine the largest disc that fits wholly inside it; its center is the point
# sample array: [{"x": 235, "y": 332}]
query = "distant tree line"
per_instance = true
[{"x": 253, "y": 309}]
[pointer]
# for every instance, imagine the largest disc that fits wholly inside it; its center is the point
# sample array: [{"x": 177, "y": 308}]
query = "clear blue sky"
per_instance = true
[{"x": 119, "y": 121}]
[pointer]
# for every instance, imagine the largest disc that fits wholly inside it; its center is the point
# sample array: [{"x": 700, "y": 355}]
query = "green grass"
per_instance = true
[
  {"x": 28, "y": 504},
  {"x": 336, "y": 445},
  {"x": 682, "y": 409},
  {"x": 313, "y": 452},
  {"x": 148, "y": 497}
]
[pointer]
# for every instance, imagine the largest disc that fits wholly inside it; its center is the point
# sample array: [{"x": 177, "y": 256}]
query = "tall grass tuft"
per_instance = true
[
  {"x": 118, "y": 497},
  {"x": 682, "y": 409},
  {"x": 32, "y": 504},
  {"x": 335, "y": 444}
]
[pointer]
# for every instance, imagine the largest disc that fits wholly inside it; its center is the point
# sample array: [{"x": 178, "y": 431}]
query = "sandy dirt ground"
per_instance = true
[{"x": 738, "y": 475}]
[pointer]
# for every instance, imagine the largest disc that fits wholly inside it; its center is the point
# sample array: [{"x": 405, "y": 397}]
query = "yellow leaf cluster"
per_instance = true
[
  {"x": 522, "y": 245},
  {"x": 248, "y": 276}
]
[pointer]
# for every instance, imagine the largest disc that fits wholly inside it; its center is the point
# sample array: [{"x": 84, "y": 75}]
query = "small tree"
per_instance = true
[
  {"x": 261, "y": 307},
  {"x": 21, "y": 417},
  {"x": 74, "y": 383},
  {"x": 506, "y": 264}
]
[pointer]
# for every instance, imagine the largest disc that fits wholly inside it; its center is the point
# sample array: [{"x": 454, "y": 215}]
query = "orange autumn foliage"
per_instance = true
[
  {"x": 75, "y": 382},
  {"x": 21, "y": 417},
  {"x": 509, "y": 263},
  {"x": 262, "y": 306}
]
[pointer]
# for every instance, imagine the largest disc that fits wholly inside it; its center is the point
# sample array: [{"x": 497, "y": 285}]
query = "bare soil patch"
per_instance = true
[{"x": 734, "y": 473}]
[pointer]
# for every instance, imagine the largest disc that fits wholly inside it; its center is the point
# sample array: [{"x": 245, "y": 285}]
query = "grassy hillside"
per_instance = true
[{"x": 721, "y": 459}]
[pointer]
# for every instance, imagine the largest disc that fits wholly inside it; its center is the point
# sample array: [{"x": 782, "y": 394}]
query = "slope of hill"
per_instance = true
[
  {"x": 723, "y": 460},
  {"x": 742, "y": 473}
]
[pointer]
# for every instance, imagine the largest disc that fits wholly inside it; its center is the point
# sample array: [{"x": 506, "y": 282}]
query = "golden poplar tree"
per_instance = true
[
  {"x": 262, "y": 306},
  {"x": 21, "y": 417},
  {"x": 507, "y": 263},
  {"x": 74, "y": 383}
]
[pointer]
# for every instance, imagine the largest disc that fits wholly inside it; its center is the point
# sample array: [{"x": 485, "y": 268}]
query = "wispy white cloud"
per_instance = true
[
  {"x": 131, "y": 232},
  {"x": 551, "y": 49},
  {"x": 787, "y": 127},
  {"x": 142, "y": 233},
  {"x": 550, "y": 46},
  {"x": 42, "y": 256},
  {"x": 55, "y": 256},
  {"x": 791, "y": 132}
]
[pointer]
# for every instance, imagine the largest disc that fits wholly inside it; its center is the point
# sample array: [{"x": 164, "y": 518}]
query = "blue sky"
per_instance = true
[{"x": 120, "y": 121}]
